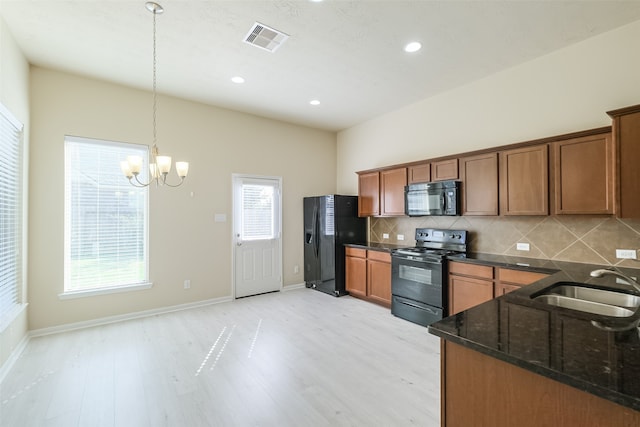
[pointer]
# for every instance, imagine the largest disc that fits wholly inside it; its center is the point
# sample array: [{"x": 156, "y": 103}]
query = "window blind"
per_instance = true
[
  {"x": 11, "y": 180},
  {"x": 258, "y": 215},
  {"x": 105, "y": 217}
]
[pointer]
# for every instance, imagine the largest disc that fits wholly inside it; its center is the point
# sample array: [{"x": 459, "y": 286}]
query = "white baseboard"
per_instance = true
[
  {"x": 13, "y": 357},
  {"x": 292, "y": 287},
  {"x": 122, "y": 317}
]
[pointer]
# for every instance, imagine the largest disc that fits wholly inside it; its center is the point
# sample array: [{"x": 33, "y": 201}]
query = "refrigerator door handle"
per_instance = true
[{"x": 316, "y": 231}]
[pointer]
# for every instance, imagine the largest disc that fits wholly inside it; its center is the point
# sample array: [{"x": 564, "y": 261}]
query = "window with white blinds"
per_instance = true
[
  {"x": 258, "y": 212},
  {"x": 11, "y": 196},
  {"x": 105, "y": 217}
]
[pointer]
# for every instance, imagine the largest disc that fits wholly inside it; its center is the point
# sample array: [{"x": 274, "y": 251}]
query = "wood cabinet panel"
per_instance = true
[
  {"x": 503, "y": 288},
  {"x": 356, "y": 252},
  {"x": 466, "y": 269},
  {"x": 419, "y": 173},
  {"x": 518, "y": 277},
  {"x": 474, "y": 383},
  {"x": 466, "y": 292},
  {"x": 368, "y": 275},
  {"x": 369, "y": 194},
  {"x": 356, "y": 275},
  {"x": 392, "y": 183},
  {"x": 524, "y": 181},
  {"x": 479, "y": 176},
  {"x": 626, "y": 134},
  {"x": 379, "y": 276},
  {"x": 444, "y": 170},
  {"x": 583, "y": 175}
]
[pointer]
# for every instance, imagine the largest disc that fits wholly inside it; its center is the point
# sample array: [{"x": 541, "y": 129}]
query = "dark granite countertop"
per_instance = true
[
  {"x": 383, "y": 247},
  {"x": 558, "y": 343}
]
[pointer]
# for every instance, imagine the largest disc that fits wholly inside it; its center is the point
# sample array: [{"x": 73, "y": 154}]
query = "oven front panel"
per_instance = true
[{"x": 420, "y": 281}]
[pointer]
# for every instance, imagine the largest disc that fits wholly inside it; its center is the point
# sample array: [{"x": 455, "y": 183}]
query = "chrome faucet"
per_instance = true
[{"x": 602, "y": 272}]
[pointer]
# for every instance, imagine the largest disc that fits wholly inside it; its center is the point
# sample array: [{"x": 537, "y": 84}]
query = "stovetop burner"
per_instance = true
[{"x": 436, "y": 243}]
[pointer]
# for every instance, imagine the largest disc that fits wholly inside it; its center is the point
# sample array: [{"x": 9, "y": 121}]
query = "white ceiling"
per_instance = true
[{"x": 347, "y": 54}]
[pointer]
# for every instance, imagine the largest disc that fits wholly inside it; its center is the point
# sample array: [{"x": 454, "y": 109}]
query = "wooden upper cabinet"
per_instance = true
[
  {"x": 419, "y": 173},
  {"x": 524, "y": 181},
  {"x": 583, "y": 175},
  {"x": 392, "y": 183},
  {"x": 369, "y": 194},
  {"x": 626, "y": 135},
  {"x": 444, "y": 170},
  {"x": 479, "y": 176}
]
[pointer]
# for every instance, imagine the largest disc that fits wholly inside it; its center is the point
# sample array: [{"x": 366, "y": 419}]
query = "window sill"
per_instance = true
[{"x": 104, "y": 291}]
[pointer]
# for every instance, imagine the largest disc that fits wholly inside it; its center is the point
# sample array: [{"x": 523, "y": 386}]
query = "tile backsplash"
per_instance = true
[{"x": 585, "y": 239}]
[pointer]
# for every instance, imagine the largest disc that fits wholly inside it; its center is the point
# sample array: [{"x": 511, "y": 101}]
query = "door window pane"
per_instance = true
[{"x": 258, "y": 215}]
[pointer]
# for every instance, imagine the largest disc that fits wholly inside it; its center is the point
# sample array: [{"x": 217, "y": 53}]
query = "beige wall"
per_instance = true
[
  {"x": 14, "y": 94},
  {"x": 566, "y": 91},
  {"x": 185, "y": 242}
]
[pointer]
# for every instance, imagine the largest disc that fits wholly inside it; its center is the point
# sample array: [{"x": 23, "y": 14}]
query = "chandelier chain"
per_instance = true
[{"x": 154, "y": 79}]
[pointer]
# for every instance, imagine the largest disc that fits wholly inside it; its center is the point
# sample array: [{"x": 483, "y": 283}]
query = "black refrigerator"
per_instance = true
[{"x": 329, "y": 223}]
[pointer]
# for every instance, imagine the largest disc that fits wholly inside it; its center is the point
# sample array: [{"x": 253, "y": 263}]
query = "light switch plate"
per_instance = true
[
  {"x": 522, "y": 246},
  {"x": 400, "y": 236},
  {"x": 385, "y": 235}
]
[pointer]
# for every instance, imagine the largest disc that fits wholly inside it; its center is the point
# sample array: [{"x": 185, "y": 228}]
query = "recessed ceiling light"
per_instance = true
[
  {"x": 413, "y": 47},
  {"x": 314, "y": 102},
  {"x": 237, "y": 79}
]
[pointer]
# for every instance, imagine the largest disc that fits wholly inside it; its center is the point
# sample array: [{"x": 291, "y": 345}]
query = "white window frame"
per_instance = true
[
  {"x": 12, "y": 296},
  {"x": 71, "y": 291}
]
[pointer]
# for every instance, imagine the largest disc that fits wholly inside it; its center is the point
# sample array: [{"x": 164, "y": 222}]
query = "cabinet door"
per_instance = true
[
  {"x": 479, "y": 176},
  {"x": 626, "y": 131},
  {"x": 524, "y": 188},
  {"x": 379, "y": 276},
  {"x": 392, "y": 186},
  {"x": 444, "y": 169},
  {"x": 369, "y": 194},
  {"x": 419, "y": 173},
  {"x": 356, "y": 275},
  {"x": 518, "y": 277},
  {"x": 583, "y": 175},
  {"x": 465, "y": 292},
  {"x": 503, "y": 288}
]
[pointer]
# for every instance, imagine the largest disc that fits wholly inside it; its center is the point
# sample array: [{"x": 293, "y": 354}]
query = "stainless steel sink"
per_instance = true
[
  {"x": 602, "y": 296},
  {"x": 584, "y": 305}
]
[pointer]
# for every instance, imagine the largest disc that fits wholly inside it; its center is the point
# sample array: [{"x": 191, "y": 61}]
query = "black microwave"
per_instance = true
[{"x": 432, "y": 198}]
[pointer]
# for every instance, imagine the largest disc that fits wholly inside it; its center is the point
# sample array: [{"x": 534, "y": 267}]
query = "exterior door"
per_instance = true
[{"x": 256, "y": 235}]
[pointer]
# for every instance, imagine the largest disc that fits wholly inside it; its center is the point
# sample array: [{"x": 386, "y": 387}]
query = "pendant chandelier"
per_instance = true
[{"x": 159, "y": 166}]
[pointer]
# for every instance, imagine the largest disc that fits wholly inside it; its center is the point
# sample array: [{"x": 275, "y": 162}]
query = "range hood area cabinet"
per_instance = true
[{"x": 567, "y": 174}]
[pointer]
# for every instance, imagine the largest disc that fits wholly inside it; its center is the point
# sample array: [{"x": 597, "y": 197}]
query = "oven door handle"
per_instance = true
[
  {"x": 400, "y": 258},
  {"x": 419, "y": 307}
]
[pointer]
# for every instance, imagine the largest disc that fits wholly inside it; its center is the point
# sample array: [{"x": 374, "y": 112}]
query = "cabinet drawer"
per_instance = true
[
  {"x": 519, "y": 277},
  {"x": 360, "y": 253},
  {"x": 379, "y": 256},
  {"x": 475, "y": 270}
]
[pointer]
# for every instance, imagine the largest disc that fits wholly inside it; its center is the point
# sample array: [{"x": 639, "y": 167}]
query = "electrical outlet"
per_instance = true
[
  {"x": 187, "y": 284},
  {"x": 522, "y": 246},
  {"x": 296, "y": 269},
  {"x": 400, "y": 236},
  {"x": 626, "y": 253},
  {"x": 385, "y": 235}
]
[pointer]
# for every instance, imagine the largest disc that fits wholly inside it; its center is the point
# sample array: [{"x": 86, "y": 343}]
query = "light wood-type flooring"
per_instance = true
[{"x": 294, "y": 358}]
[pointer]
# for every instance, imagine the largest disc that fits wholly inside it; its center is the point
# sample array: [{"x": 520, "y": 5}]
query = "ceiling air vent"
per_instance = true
[{"x": 265, "y": 37}]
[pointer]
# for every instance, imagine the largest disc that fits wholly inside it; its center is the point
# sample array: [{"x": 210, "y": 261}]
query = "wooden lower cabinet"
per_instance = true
[
  {"x": 479, "y": 390},
  {"x": 473, "y": 284},
  {"x": 368, "y": 275},
  {"x": 356, "y": 271},
  {"x": 469, "y": 285}
]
